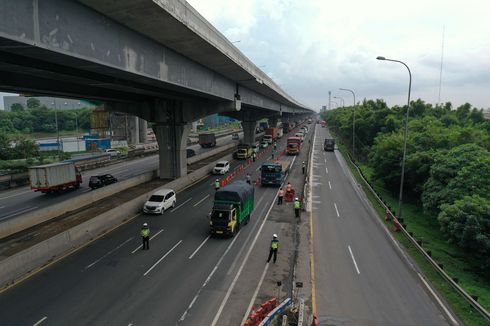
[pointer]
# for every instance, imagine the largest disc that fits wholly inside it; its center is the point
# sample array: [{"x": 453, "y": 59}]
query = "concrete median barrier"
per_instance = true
[{"x": 31, "y": 259}]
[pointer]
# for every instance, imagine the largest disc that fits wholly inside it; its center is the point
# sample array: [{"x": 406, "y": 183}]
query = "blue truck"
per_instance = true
[{"x": 273, "y": 173}]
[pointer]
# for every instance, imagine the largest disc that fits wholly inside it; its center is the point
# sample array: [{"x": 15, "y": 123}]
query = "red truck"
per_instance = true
[
  {"x": 293, "y": 146},
  {"x": 55, "y": 177}
]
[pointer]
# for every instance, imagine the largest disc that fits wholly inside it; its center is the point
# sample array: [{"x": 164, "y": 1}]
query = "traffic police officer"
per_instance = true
[
  {"x": 145, "y": 236},
  {"x": 273, "y": 249},
  {"x": 297, "y": 206}
]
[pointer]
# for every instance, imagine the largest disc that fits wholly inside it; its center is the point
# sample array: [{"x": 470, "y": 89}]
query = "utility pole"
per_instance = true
[{"x": 329, "y": 100}]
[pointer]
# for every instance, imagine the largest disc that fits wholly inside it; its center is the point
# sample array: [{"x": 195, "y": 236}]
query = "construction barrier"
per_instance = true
[{"x": 257, "y": 316}]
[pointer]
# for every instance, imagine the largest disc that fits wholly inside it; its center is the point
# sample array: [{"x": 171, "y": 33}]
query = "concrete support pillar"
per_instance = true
[
  {"x": 133, "y": 130},
  {"x": 273, "y": 121},
  {"x": 172, "y": 148},
  {"x": 249, "y": 126},
  {"x": 143, "y": 130}
]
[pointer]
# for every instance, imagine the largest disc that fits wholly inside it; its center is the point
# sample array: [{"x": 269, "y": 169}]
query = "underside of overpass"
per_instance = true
[{"x": 158, "y": 60}]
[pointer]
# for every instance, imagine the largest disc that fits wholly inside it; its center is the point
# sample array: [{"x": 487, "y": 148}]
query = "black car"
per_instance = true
[
  {"x": 329, "y": 144},
  {"x": 98, "y": 181},
  {"x": 190, "y": 153}
]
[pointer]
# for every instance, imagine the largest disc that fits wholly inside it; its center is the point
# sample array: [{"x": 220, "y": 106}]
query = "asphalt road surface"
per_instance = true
[
  {"x": 362, "y": 278},
  {"x": 22, "y": 200},
  {"x": 180, "y": 280}
]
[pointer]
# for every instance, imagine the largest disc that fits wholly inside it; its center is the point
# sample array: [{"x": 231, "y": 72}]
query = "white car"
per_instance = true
[
  {"x": 113, "y": 152},
  {"x": 160, "y": 201},
  {"x": 264, "y": 144},
  {"x": 256, "y": 147},
  {"x": 222, "y": 167}
]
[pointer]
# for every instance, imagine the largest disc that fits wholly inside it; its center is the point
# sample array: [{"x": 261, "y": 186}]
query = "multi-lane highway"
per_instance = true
[
  {"x": 362, "y": 277},
  {"x": 22, "y": 200},
  {"x": 112, "y": 282},
  {"x": 188, "y": 278}
]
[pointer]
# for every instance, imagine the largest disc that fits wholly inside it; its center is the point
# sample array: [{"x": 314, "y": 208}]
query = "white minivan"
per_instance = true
[{"x": 160, "y": 201}]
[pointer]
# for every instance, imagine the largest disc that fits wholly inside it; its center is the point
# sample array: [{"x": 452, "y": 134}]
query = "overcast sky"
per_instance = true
[{"x": 312, "y": 46}]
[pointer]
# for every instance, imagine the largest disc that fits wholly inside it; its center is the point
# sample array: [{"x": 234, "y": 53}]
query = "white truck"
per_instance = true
[{"x": 55, "y": 177}]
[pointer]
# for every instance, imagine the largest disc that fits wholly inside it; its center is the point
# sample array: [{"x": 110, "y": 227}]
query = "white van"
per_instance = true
[{"x": 160, "y": 201}]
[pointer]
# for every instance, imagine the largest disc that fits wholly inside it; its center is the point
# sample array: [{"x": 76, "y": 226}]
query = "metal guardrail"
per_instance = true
[{"x": 483, "y": 312}]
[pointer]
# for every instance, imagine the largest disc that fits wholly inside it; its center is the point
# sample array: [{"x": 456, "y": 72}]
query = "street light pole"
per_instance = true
[
  {"x": 353, "y": 122},
  {"x": 405, "y": 134},
  {"x": 340, "y": 98}
]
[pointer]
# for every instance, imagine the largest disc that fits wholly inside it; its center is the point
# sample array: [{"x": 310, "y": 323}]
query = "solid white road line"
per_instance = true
[
  {"x": 202, "y": 244},
  {"x": 108, "y": 253},
  {"x": 209, "y": 277},
  {"x": 453, "y": 320},
  {"x": 354, "y": 260},
  {"x": 326, "y": 170},
  {"x": 338, "y": 215},
  {"x": 163, "y": 257},
  {"x": 201, "y": 200},
  {"x": 176, "y": 208},
  {"x": 40, "y": 321},
  {"x": 18, "y": 194},
  {"x": 17, "y": 212},
  {"x": 249, "y": 308},
  {"x": 233, "y": 283},
  {"x": 151, "y": 238},
  {"x": 329, "y": 185}
]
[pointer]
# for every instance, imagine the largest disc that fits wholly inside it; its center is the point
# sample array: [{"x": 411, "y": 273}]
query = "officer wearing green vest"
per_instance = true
[
  {"x": 145, "y": 235},
  {"x": 297, "y": 206},
  {"x": 273, "y": 249},
  {"x": 216, "y": 185}
]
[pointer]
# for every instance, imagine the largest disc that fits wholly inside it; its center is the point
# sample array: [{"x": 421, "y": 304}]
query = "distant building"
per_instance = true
[
  {"x": 486, "y": 115},
  {"x": 49, "y": 102}
]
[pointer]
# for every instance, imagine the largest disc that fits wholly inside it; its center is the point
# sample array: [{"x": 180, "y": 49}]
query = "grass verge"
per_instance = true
[{"x": 455, "y": 263}]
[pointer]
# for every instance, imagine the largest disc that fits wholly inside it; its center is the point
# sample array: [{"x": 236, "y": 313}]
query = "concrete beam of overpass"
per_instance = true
[{"x": 112, "y": 48}]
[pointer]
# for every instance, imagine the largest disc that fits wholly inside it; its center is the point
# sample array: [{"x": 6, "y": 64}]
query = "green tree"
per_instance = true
[
  {"x": 33, "y": 103},
  {"x": 26, "y": 148},
  {"x": 466, "y": 222},
  {"x": 446, "y": 167},
  {"x": 5, "y": 148},
  {"x": 16, "y": 107}
]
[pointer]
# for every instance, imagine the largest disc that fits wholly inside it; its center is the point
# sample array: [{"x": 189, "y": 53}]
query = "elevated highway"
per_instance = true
[{"x": 158, "y": 60}]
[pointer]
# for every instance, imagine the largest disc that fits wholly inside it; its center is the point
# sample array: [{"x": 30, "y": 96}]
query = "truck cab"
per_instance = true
[
  {"x": 243, "y": 152},
  {"x": 268, "y": 138},
  {"x": 293, "y": 146},
  {"x": 223, "y": 219},
  {"x": 271, "y": 174}
]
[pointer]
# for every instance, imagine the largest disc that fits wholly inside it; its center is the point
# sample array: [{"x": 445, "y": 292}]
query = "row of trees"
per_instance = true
[
  {"x": 36, "y": 118},
  {"x": 447, "y": 167}
]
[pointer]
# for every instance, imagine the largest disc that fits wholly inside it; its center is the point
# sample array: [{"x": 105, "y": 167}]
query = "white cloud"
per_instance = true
[{"x": 312, "y": 46}]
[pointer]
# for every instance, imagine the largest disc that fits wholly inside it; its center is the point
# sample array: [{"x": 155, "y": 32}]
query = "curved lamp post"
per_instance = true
[
  {"x": 353, "y": 122},
  {"x": 400, "y": 198}
]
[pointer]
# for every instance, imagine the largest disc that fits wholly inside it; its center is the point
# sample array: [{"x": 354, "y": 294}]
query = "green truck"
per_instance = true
[{"x": 232, "y": 207}]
